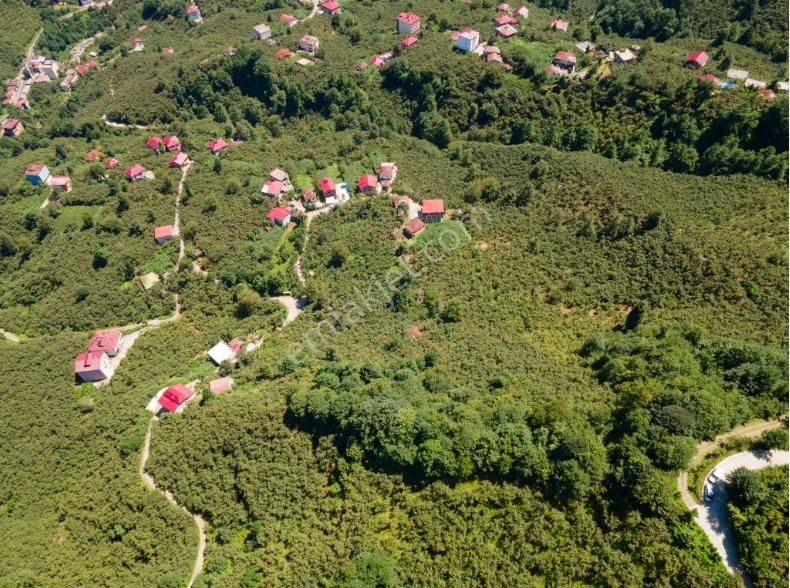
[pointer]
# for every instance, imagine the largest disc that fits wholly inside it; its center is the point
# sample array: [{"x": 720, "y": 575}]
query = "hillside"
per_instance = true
[{"x": 504, "y": 398}]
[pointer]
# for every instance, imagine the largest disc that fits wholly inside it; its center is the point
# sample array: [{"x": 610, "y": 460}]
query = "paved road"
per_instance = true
[{"x": 714, "y": 518}]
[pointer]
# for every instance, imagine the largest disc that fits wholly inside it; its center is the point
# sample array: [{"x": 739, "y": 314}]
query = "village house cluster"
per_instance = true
[{"x": 733, "y": 76}]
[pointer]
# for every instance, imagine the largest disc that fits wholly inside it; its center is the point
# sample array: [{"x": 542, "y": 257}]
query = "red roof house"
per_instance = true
[
  {"x": 154, "y": 143},
  {"x": 288, "y": 20},
  {"x": 330, "y": 7},
  {"x": 217, "y": 145},
  {"x": 272, "y": 189},
  {"x": 407, "y": 23},
  {"x": 179, "y": 160},
  {"x": 408, "y": 41},
  {"x": 175, "y": 397},
  {"x": 432, "y": 210},
  {"x": 504, "y": 19},
  {"x": 559, "y": 25},
  {"x": 171, "y": 143},
  {"x": 697, "y": 60},
  {"x": 105, "y": 341},
  {"x": 135, "y": 172},
  {"x": 92, "y": 155},
  {"x": 60, "y": 183},
  {"x": 282, "y": 53},
  {"x": 111, "y": 163},
  {"x": 308, "y": 195},
  {"x": 327, "y": 186},
  {"x": 565, "y": 60},
  {"x": 163, "y": 234},
  {"x": 220, "y": 385},
  {"x": 280, "y": 216},
  {"x": 413, "y": 228},
  {"x": 368, "y": 183},
  {"x": 414, "y": 331},
  {"x": 709, "y": 78},
  {"x": 92, "y": 366}
]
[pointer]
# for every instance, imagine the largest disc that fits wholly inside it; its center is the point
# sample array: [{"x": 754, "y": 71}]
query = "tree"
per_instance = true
[
  {"x": 247, "y": 302},
  {"x": 745, "y": 488},
  {"x": 339, "y": 254}
]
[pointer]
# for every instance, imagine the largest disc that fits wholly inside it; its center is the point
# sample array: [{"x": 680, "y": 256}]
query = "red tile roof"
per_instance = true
[
  {"x": 179, "y": 159},
  {"x": 408, "y": 17},
  {"x": 414, "y": 331},
  {"x": 87, "y": 362},
  {"x": 272, "y": 188},
  {"x": 134, "y": 171},
  {"x": 220, "y": 385},
  {"x": 330, "y": 6},
  {"x": 367, "y": 182},
  {"x": 414, "y": 226},
  {"x": 308, "y": 194},
  {"x": 217, "y": 144},
  {"x": 92, "y": 155},
  {"x": 699, "y": 58},
  {"x": 408, "y": 41},
  {"x": 163, "y": 232},
  {"x": 34, "y": 169},
  {"x": 504, "y": 19},
  {"x": 279, "y": 214},
  {"x": 154, "y": 142},
  {"x": 565, "y": 57},
  {"x": 104, "y": 340},
  {"x": 327, "y": 185},
  {"x": 433, "y": 206},
  {"x": 282, "y": 53},
  {"x": 174, "y": 397},
  {"x": 111, "y": 163},
  {"x": 709, "y": 78},
  {"x": 172, "y": 143}
]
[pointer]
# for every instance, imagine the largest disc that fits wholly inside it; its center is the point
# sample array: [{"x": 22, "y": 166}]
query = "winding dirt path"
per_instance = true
[
  {"x": 9, "y": 336},
  {"x": 149, "y": 481},
  {"x": 118, "y": 125}
]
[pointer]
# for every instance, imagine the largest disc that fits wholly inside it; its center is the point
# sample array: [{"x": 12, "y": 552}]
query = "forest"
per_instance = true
[{"x": 607, "y": 293}]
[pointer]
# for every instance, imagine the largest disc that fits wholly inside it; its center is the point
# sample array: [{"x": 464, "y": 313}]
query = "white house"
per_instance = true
[
  {"x": 468, "y": 40},
  {"x": 221, "y": 352},
  {"x": 262, "y": 32}
]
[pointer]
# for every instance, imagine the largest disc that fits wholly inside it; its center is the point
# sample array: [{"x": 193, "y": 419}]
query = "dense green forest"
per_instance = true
[
  {"x": 758, "y": 506},
  {"x": 505, "y": 400}
]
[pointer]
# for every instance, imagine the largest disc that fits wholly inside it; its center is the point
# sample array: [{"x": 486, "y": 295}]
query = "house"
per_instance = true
[
  {"x": 432, "y": 211},
  {"x": 503, "y": 7},
  {"x": 216, "y": 145},
  {"x": 504, "y": 19},
  {"x": 92, "y": 366},
  {"x": 309, "y": 43},
  {"x": 368, "y": 183},
  {"x": 111, "y": 163},
  {"x": 171, "y": 143},
  {"x": 220, "y": 385},
  {"x": 105, "y": 341},
  {"x": 586, "y": 46},
  {"x": 303, "y": 62},
  {"x": 783, "y": 86},
  {"x": 60, "y": 183},
  {"x": 22, "y": 103},
  {"x": 377, "y": 60},
  {"x": 179, "y": 160},
  {"x": 175, "y": 398},
  {"x": 282, "y": 53},
  {"x": 696, "y": 60},
  {"x": 330, "y": 7},
  {"x": 68, "y": 81},
  {"x": 407, "y": 23},
  {"x": 288, "y": 20},
  {"x": 624, "y": 56},
  {"x": 709, "y": 78},
  {"x": 494, "y": 58},
  {"x": 558, "y": 24},
  {"x": 137, "y": 45},
  {"x": 84, "y": 68},
  {"x": 754, "y": 84},
  {"x": 737, "y": 74},
  {"x": 272, "y": 189},
  {"x": 37, "y": 173},
  {"x": 221, "y": 352},
  {"x": 767, "y": 94},
  {"x": 468, "y": 40},
  {"x": 280, "y": 175},
  {"x": 262, "y": 32},
  {"x": 229, "y": 51},
  {"x": 506, "y": 31},
  {"x": 388, "y": 171},
  {"x": 92, "y": 156},
  {"x": 408, "y": 41},
  {"x": 12, "y": 128},
  {"x": 149, "y": 280},
  {"x": 413, "y": 228},
  {"x": 522, "y": 11},
  {"x": 328, "y": 189},
  {"x": 142, "y": 28},
  {"x": 163, "y": 234},
  {"x": 308, "y": 196},
  {"x": 565, "y": 60},
  {"x": 280, "y": 216},
  {"x": 193, "y": 14},
  {"x": 134, "y": 173},
  {"x": 154, "y": 143}
]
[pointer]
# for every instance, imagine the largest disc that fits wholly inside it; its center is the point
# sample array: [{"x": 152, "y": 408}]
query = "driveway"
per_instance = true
[{"x": 714, "y": 518}]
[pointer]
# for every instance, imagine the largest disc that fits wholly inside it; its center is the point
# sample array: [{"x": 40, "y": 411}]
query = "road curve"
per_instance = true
[
  {"x": 714, "y": 517},
  {"x": 149, "y": 481}
]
